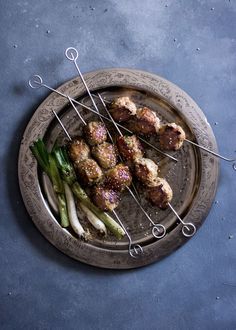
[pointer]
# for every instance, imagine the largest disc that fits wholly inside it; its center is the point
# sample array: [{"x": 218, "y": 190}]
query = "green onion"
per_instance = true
[
  {"x": 63, "y": 210},
  {"x": 93, "y": 219},
  {"x": 74, "y": 221},
  {"x": 48, "y": 164}
]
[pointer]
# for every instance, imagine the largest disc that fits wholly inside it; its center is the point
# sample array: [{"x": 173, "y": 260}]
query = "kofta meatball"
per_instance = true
[
  {"x": 88, "y": 172},
  {"x": 145, "y": 170},
  {"x": 105, "y": 198},
  {"x": 146, "y": 122},
  {"x": 118, "y": 177},
  {"x": 130, "y": 147},
  {"x": 78, "y": 150},
  {"x": 160, "y": 193},
  {"x": 122, "y": 109},
  {"x": 105, "y": 154},
  {"x": 171, "y": 137},
  {"x": 95, "y": 133}
]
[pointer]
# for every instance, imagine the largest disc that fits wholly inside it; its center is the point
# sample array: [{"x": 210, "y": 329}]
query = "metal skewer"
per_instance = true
[
  {"x": 188, "y": 228},
  {"x": 36, "y": 82},
  {"x": 210, "y": 152},
  {"x": 158, "y": 229},
  {"x": 76, "y": 110},
  {"x": 112, "y": 141},
  {"x": 72, "y": 55},
  {"x": 63, "y": 127},
  {"x": 134, "y": 249},
  {"x": 196, "y": 145}
]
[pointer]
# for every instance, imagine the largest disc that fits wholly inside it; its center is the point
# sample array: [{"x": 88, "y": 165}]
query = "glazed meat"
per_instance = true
[
  {"x": 122, "y": 109},
  {"x": 95, "y": 133},
  {"x": 160, "y": 194},
  {"x": 105, "y": 198},
  {"x": 88, "y": 172},
  {"x": 145, "y": 170},
  {"x": 105, "y": 154},
  {"x": 171, "y": 137},
  {"x": 118, "y": 177},
  {"x": 130, "y": 147},
  {"x": 146, "y": 122},
  {"x": 78, "y": 150}
]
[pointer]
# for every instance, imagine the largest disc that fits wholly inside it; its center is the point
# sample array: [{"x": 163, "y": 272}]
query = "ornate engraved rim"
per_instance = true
[{"x": 40, "y": 212}]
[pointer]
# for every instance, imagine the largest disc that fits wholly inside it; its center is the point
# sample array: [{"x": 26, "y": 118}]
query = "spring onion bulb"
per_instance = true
[
  {"x": 93, "y": 219},
  {"x": 71, "y": 208},
  {"x": 50, "y": 194}
]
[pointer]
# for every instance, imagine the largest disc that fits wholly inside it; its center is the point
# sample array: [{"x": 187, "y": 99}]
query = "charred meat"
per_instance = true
[
  {"x": 122, "y": 109},
  {"x": 118, "y": 177},
  {"x": 105, "y": 154},
  {"x": 105, "y": 198},
  {"x": 160, "y": 194},
  {"x": 145, "y": 171},
  {"x": 171, "y": 137},
  {"x": 88, "y": 172},
  {"x": 130, "y": 147},
  {"x": 95, "y": 133},
  {"x": 146, "y": 122}
]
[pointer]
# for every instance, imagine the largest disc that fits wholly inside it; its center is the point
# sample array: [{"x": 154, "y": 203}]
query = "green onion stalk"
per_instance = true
[{"x": 48, "y": 164}]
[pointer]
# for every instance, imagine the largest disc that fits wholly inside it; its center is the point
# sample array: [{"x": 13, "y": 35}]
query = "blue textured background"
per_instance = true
[{"x": 191, "y": 43}]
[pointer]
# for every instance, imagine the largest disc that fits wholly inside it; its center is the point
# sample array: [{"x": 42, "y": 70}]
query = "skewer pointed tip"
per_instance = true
[{"x": 230, "y": 160}]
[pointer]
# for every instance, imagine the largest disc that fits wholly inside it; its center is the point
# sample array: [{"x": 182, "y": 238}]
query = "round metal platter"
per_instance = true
[{"x": 193, "y": 178}]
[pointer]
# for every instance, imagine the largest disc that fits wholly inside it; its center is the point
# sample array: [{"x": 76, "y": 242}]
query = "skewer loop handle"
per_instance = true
[
  {"x": 35, "y": 81},
  {"x": 71, "y": 53},
  {"x": 188, "y": 229},
  {"x": 158, "y": 230},
  {"x": 135, "y": 250}
]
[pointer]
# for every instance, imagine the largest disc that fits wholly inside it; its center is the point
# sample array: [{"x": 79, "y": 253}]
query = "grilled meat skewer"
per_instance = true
[
  {"x": 105, "y": 154},
  {"x": 78, "y": 150},
  {"x": 171, "y": 137},
  {"x": 95, "y": 133},
  {"x": 130, "y": 147},
  {"x": 145, "y": 170},
  {"x": 145, "y": 122},
  {"x": 118, "y": 177},
  {"x": 107, "y": 195},
  {"x": 122, "y": 109},
  {"x": 160, "y": 193},
  {"x": 105, "y": 198},
  {"x": 88, "y": 171}
]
